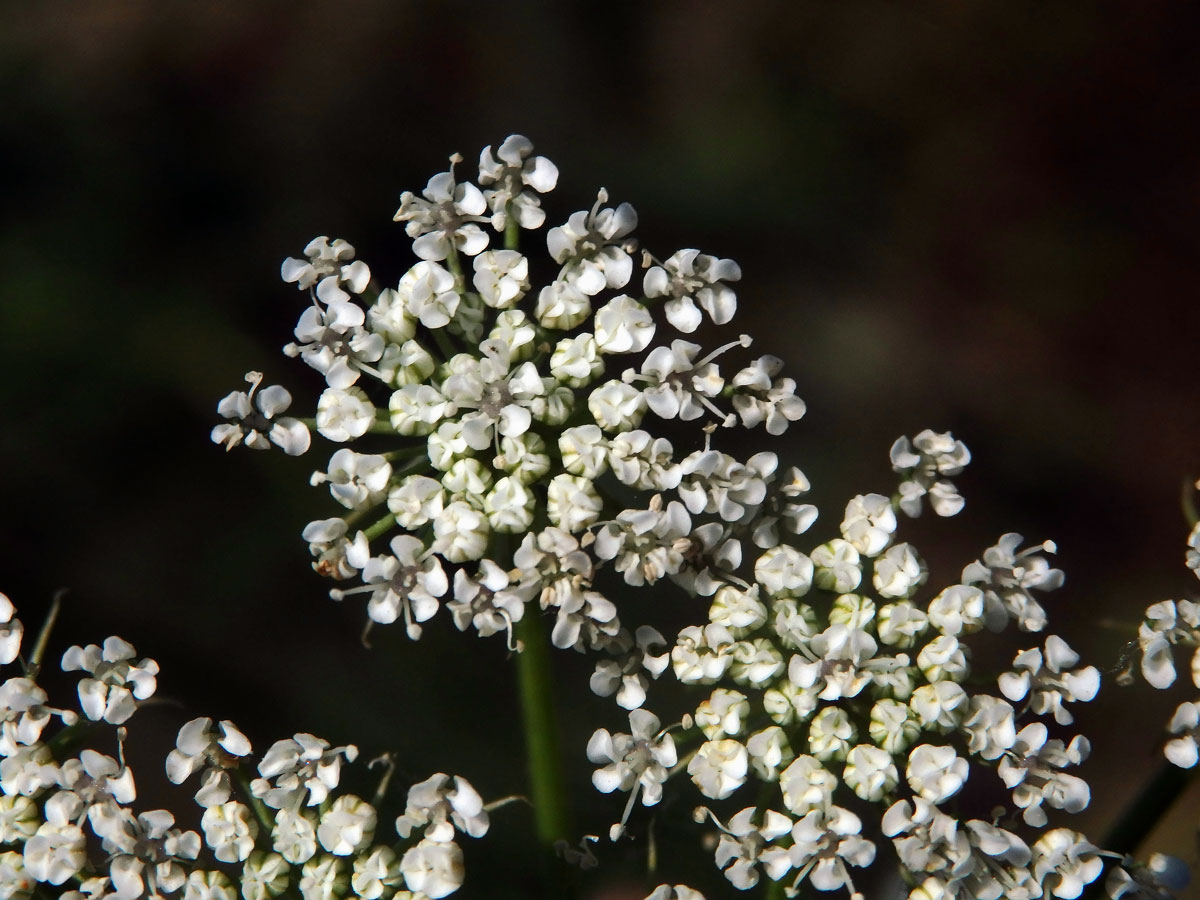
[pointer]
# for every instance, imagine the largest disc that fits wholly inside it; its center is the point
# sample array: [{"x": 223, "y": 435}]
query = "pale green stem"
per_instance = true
[
  {"x": 264, "y": 816},
  {"x": 380, "y": 527},
  {"x": 43, "y": 638},
  {"x": 535, "y": 682},
  {"x": 512, "y": 231},
  {"x": 1189, "y": 502}
]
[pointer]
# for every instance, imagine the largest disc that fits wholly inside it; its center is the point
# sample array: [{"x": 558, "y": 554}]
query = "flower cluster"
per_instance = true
[
  {"x": 510, "y": 462},
  {"x": 68, "y": 820}
]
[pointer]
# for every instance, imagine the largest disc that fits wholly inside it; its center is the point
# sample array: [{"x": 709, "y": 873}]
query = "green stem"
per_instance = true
[
  {"x": 443, "y": 343},
  {"x": 1188, "y": 500},
  {"x": 43, "y": 638},
  {"x": 380, "y": 527},
  {"x": 512, "y": 231},
  {"x": 265, "y": 819},
  {"x": 535, "y": 682}
]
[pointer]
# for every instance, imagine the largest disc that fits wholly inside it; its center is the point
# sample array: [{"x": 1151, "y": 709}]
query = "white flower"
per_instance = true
[
  {"x": 623, "y": 326},
  {"x": 339, "y": 351},
  {"x": 229, "y": 830},
  {"x": 1065, "y": 862},
  {"x": 702, "y": 655},
  {"x": 428, "y": 294},
  {"x": 588, "y": 246},
  {"x": 501, "y": 277},
  {"x": 636, "y": 762},
  {"x": 253, "y": 422},
  {"x": 617, "y": 406},
  {"x": 627, "y": 677},
  {"x": 375, "y": 873},
  {"x": 830, "y": 734},
  {"x": 723, "y": 713},
  {"x": 1182, "y": 750},
  {"x": 355, "y": 479},
  {"x": 744, "y": 844},
  {"x": 511, "y": 170},
  {"x": 990, "y": 726},
  {"x": 490, "y": 601},
  {"x": 870, "y": 772},
  {"x": 687, "y": 276},
  {"x": 719, "y": 767},
  {"x": 1046, "y": 681},
  {"x": 893, "y": 726},
  {"x": 869, "y": 523},
  {"x": 11, "y": 631},
  {"x": 1031, "y": 768},
  {"x": 759, "y": 397},
  {"x": 440, "y": 805},
  {"x": 825, "y": 841},
  {"x": 784, "y": 571},
  {"x": 836, "y": 566},
  {"x": 19, "y": 818},
  {"x": 562, "y": 306},
  {"x": 410, "y": 581},
  {"x": 323, "y": 878},
  {"x": 433, "y": 868},
  {"x": 300, "y": 764},
  {"x": 264, "y": 876},
  {"x": 572, "y": 502},
  {"x": 328, "y": 266},
  {"x": 295, "y": 835},
  {"x": 807, "y": 785},
  {"x": 936, "y": 773},
  {"x": 347, "y": 826},
  {"x": 959, "y": 609},
  {"x": 116, "y": 682},
  {"x": 415, "y": 501},
  {"x": 1007, "y": 577},
  {"x": 344, "y": 414},
  {"x": 95, "y": 784},
  {"x": 202, "y": 885},
  {"x": 939, "y": 707},
  {"x": 55, "y": 852},
  {"x": 443, "y": 219},
  {"x": 899, "y": 572},
  {"x": 460, "y": 533},
  {"x": 678, "y": 892},
  {"x": 576, "y": 361},
  {"x": 922, "y": 463},
  {"x": 836, "y": 663}
]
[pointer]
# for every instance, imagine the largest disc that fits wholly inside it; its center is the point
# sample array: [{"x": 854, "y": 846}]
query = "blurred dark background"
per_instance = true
[{"x": 974, "y": 216}]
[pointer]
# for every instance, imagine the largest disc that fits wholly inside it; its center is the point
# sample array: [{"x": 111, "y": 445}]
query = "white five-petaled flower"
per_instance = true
[
  {"x": 688, "y": 277},
  {"x": 589, "y": 247},
  {"x": 199, "y": 745},
  {"x": 636, "y": 762},
  {"x": 304, "y": 768},
  {"x": 116, "y": 681},
  {"x": 442, "y": 220},
  {"x": 328, "y": 265},
  {"x": 507, "y": 178},
  {"x": 439, "y": 805},
  {"x": 252, "y": 419},
  {"x": 409, "y": 581}
]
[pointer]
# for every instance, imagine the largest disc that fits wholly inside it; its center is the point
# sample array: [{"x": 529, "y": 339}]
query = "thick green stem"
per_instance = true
[{"x": 535, "y": 682}]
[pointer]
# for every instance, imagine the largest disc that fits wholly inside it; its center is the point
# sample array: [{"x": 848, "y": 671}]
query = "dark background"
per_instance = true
[{"x": 979, "y": 217}]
